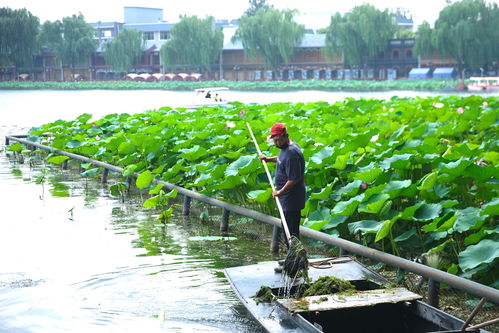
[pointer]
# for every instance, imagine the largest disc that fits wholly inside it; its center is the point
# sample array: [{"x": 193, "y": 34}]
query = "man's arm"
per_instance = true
[
  {"x": 288, "y": 186},
  {"x": 272, "y": 159}
]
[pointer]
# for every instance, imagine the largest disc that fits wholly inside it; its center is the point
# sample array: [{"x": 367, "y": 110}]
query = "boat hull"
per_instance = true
[{"x": 402, "y": 315}]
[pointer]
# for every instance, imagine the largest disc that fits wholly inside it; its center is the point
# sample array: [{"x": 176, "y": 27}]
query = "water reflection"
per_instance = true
[{"x": 88, "y": 262}]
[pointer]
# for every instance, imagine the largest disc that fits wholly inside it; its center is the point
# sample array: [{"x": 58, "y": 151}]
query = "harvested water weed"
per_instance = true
[{"x": 296, "y": 262}]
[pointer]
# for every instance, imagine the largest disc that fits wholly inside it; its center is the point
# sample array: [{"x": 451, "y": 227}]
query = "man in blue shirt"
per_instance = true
[{"x": 289, "y": 177}]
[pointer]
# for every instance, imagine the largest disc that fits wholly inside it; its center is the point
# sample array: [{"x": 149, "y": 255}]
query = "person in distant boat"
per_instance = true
[
  {"x": 208, "y": 95},
  {"x": 289, "y": 177},
  {"x": 217, "y": 99}
]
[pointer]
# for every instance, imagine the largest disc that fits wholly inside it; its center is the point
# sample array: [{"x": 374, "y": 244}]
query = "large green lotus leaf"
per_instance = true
[
  {"x": 443, "y": 222},
  {"x": 90, "y": 172},
  {"x": 398, "y": 133},
  {"x": 385, "y": 229},
  {"x": 325, "y": 156},
  {"x": 194, "y": 153},
  {"x": 347, "y": 208},
  {"x": 242, "y": 166},
  {"x": 322, "y": 213},
  {"x": 144, "y": 179},
  {"x": 491, "y": 208},
  {"x": 364, "y": 227},
  {"x": 482, "y": 253},
  {"x": 394, "y": 187},
  {"x": 203, "y": 179},
  {"x": 341, "y": 162},
  {"x": 126, "y": 148},
  {"x": 481, "y": 173},
  {"x": 478, "y": 236},
  {"x": 406, "y": 235},
  {"x": 74, "y": 144},
  {"x": 349, "y": 190},
  {"x": 468, "y": 219},
  {"x": 334, "y": 222},
  {"x": 57, "y": 159},
  {"x": 260, "y": 195},
  {"x": 408, "y": 213},
  {"x": 129, "y": 170},
  {"x": 83, "y": 118},
  {"x": 33, "y": 138},
  {"x": 233, "y": 154},
  {"x": 454, "y": 168},
  {"x": 229, "y": 182},
  {"x": 325, "y": 193},
  {"x": 368, "y": 173},
  {"x": 374, "y": 204},
  {"x": 427, "y": 212},
  {"x": 428, "y": 181},
  {"x": 402, "y": 161},
  {"x": 314, "y": 224},
  {"x": 492, "y": 157}
]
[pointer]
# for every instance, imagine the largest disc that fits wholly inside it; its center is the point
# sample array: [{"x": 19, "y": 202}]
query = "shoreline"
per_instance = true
[{"x": 335, "y": 85}]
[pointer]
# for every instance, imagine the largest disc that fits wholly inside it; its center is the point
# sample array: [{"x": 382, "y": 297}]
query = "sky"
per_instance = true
[{"x": 313, "y": 13}]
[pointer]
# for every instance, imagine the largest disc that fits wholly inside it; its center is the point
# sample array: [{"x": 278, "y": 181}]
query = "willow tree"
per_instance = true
[
  {"x": 18, "y": 31},
  {"x": 195, "y": 43},
  {"x": 424, "y": 41},
  {"x": 359, "y": 35},
  {"x": 124, "y": 51},
  {"x": 270, "y": 33},
  {"x": 72, "y": 39},
  {"x": 255, "y": 5},
  {"x": 469, "y": 31}
]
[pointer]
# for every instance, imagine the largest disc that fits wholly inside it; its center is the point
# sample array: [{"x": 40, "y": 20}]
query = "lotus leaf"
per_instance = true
[
  {"x": 144, "y": 179},
  {"x": 486, "y": 251},
  {"x": 260, "y": 195},
  {"x": 364, "y": 227}
]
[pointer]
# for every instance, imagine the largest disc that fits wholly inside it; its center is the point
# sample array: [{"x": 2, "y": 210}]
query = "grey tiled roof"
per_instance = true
[{"x": 308, "y": 41}]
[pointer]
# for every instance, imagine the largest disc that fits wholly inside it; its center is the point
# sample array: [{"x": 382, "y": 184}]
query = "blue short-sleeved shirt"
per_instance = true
[{"x": 291, "y": 166}]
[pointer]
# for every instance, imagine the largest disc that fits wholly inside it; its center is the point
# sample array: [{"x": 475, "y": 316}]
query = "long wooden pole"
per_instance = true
[{"x": 279, "y": 207}]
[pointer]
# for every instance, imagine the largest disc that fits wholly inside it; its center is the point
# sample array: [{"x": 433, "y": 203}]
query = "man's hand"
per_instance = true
[
  {"x": 262, "y": 158},
  {"x": 276, "y": 194}
]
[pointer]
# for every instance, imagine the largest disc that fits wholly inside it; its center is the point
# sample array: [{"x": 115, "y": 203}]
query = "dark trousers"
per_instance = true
[{"x": 293, "y": 221}]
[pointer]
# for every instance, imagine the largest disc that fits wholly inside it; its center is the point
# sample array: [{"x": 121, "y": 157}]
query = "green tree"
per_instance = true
[
  {"x": 271, "y": 33},
  {"x": 468, "y": 30},
  {"x": 195, "y": 43},
  {"x": 72, "y": 39},
  {"x": 123, "y": 52},
  {"x": 361, "y": 34},
  {"x": 18, "y": 31},
  {"x": 424, "y": 40},
  {"x": 255, "y": 5}
]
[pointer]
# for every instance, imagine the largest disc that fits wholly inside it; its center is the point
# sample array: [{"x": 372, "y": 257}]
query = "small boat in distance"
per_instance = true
[
  {"x": 374, "y": 306},
  {"x": 208, "y": 97},
  {"x": 490, "y": 83}
]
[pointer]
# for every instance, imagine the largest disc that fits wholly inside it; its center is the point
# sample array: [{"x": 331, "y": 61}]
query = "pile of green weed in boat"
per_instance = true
[
  {"x": 407, "y": 176},
  {"x": 325, "y": 285}
]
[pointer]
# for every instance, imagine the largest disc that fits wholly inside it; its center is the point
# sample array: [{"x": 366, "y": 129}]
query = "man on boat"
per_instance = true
[{"x": 289, "y": 177}]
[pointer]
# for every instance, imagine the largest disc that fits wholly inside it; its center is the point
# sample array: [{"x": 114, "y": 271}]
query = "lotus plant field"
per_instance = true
[{"x": 416, "y": 177}]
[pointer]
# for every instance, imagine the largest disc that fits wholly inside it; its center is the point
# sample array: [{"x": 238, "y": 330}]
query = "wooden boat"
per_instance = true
[
  {"x": 484, "y": 84},
  {"x": 374, "y": 307}
]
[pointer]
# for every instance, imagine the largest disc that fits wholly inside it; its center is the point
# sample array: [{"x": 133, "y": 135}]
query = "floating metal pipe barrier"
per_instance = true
[{"x": 468, "y": 286}]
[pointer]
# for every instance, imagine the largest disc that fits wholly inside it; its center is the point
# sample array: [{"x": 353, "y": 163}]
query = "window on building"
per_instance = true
[
  {"x": 107, "y": 33},
  {"x": 149, "y": 35},
  {"x": 409, "y": 54},
  {"x": 395, "y": 54},
  {"x": 164, "y": 35}
]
